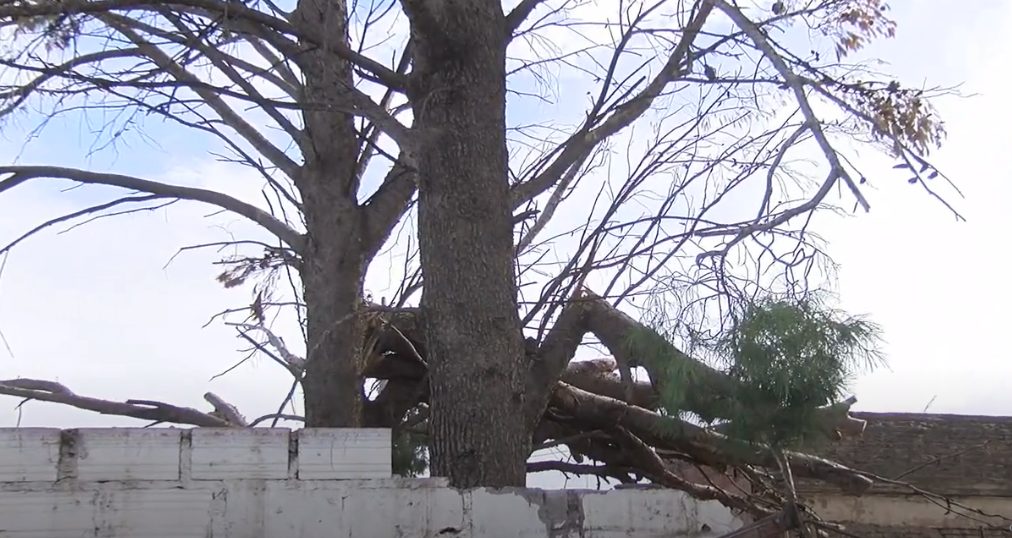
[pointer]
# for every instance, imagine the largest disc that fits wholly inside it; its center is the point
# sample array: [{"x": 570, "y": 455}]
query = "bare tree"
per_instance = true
[{"x": 689, "y": 165}]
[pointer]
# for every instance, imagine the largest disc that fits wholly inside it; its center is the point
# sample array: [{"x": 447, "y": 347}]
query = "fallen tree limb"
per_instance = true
[
  {"x": 705, "y": 446},
  {"x": 588, "y": 395},
  {"x": 225, "y": 410},
  {"x": 661, "y": 474},
  {"x": 50, "y": 391},
  {"x": 599, "y": 376},
  {"x": 705, "y": 391}
]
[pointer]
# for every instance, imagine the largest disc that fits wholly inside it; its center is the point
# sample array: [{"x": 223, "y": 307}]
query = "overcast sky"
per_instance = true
[{"x": 97, "y": 309}]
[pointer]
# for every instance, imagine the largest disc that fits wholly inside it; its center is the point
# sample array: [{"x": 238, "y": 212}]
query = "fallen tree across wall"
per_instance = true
[{"x": 593, "y": 408}]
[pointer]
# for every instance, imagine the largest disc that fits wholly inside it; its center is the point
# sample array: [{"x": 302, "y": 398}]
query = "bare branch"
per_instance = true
[
  {"x": 386, "y": 206},
  {"x": 276, "y": 417},
  {"x": 21, "y": 174},
  {"x": 797, "y": 86},
  {"x": 19, "y": 94},
  {"x": 76, "y": 214},
  {"x": 213, "y": 100},
  {"x": 519, "y": 14},
  {"x": 582, "y": 143},
  {"x": 225, "y": 10},
  {"x": 295, "y": 363},
  {"x": 225, "y": 410},
  {"x": 48, "y": 391}
]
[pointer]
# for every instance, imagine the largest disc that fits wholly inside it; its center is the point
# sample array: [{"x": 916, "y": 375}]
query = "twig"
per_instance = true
[
  {"x": 288, "y": 398},
  {"x": 276, "y": 417},
  {"x": 293, "y": 361}
]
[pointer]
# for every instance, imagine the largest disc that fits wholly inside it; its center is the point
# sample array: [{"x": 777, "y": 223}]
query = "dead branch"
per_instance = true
[
  {"x": 794, "y": 82},
  {"x": 272, "y": 29},
  {"x": 225, "y": 410},
  {"x": 77, "y": 214},
  {"x": 293, "y": 362},
  {"x": 275, "y": 417},
  {"x": 17, "y": 175},
  {"x": 661, "y": 474},
  {"x": 49, "y": 391}
]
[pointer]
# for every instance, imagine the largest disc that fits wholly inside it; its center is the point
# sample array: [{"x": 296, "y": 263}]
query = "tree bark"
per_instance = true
[
  {"x": 472, "y": 327},
  {"x": 336, "y": 252},
  {"x": 335, "y": 331}
]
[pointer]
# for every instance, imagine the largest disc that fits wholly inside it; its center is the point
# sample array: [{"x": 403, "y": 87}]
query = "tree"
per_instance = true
[{"x": 721, "y": 108}]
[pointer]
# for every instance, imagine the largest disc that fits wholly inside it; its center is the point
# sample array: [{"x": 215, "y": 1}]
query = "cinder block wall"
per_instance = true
[
  {"x": 966, "y": 458},
  {"x": 313, "y": 483}
]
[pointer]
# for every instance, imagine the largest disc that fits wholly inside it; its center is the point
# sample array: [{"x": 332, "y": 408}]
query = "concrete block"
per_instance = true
[
  {"x": 256, "y": 453},
  {"x": 522, "y": 511},
  {"x": 652, "y": 513},
  {"x": 238, "y": 483},
  {"x": 127, "y": 454},
  {"x": 243, "y": 510},
  {"x": 338, "y": 453},
  {"x": 29, "y": 454},
  {"x": 319, "y": 509},
  {"x": 106, "y": 512}
]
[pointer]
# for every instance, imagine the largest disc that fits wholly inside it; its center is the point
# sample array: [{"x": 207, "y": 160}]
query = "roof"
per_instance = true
[{"x": 947, "y": 454}]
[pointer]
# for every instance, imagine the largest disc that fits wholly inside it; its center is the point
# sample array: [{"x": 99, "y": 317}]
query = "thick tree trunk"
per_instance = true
[
  {"x": 332, "y": 277},
  {"x": 336, "y": 253},
  {"x": 473, "y": 332}
]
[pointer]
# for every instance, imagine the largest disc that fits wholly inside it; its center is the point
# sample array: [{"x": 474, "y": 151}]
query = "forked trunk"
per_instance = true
[
  {"x": 334, "y": 264},
  {"x": 473, "y": 331}
]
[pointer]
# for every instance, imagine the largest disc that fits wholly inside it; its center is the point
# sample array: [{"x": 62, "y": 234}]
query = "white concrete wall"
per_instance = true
[
  {"x": 251, "y": 483},
  {"x": 911, "y": 510}
]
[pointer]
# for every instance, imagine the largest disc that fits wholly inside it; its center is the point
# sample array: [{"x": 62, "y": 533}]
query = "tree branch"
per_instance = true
[
  {"x": 49, "y": 391},
  {"x": 556, "y": 351},
  {"x": 582, "y": 143},
  {"x": 76, "y": 214},
  {"x": 519, "y": 14},
  {"x": 20, "y": 174},
  {"x": 225, "y": 410},
  {"x": 661, "y": 474},
  {"x": 705, "y": 446},
  {"x": 20, "y": 93},
  {"x": 383, "y": 210},
  {"x": 226, "y": 10},
  {"x": 229, "y": 116},
  {"x": 797, "y": 87}
]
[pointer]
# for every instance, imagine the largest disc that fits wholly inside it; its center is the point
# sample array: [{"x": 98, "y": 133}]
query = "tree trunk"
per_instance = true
[
  {"x": 336, "y": 254},
  {"x": 472, "y": 326},
  {"x": 332, "y": 278}
]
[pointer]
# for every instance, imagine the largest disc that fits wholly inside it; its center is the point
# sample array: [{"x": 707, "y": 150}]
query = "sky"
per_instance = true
[{"x": 99, "y": 309}]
